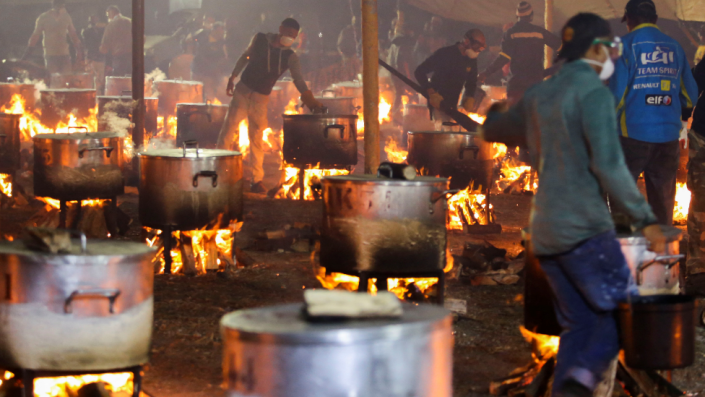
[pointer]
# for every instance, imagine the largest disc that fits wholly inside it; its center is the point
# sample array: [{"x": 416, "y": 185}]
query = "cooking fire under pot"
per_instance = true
[
  {"x": 89, "y": 309},
  {"x": 174, "y": 92},
  {"x": 200, "y": 122},
  {"x": 462, "y": 156},
  {"x": 10, "y": 159},
  {"x": 78, "y": 166},
  {"x": 58, "y": 104},
  {"x": 328, "y": 140},
  {"x": 25, "y": 91},
  {"x": 276, "y": 352},
  {"x": 385, "y": 227}
]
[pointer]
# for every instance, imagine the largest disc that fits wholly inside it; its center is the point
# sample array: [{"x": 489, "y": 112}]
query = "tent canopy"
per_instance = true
[{"x": 499, "y": 12}]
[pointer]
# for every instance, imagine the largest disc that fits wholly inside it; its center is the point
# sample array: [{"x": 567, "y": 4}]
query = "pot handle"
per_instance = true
[
  {"x": 208, "y": 174},
  {"x": 108, "y": 150},
  {"x": 446, "y": 193},
  {"x": 474, "y": 148},
  {"x": 85, "y": 129},
  {"x": 672, "y": 260},
  {"x": 190, "y": 143},
  {"x": 110, "y": 294},
  {"x": 334, "y": 127}
]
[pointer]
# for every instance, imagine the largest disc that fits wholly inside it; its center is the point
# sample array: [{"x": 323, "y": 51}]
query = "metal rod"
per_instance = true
[
  {"x": 167, "y": 249},
  {"x": 136, "y": 382},
  {"x": 138, "y": 114},
  {"x": 27, "y": 383},
  {"x": 364, "y": 283},
  {"x": 441, "y": 287},
  {"x": 302, "y": 183},
  {"x": 370, "y": 79},
  {"x": 382, "y": 283},
  {"x": 63, "y": 212},
  {"x": 488, "y": 211}
]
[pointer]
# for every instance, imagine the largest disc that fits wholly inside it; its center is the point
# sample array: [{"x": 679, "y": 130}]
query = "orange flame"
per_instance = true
[
  {"x": 546, "y": 345},
  {"x": 394, "y": 153},
  {"x": 166, "y": 128},
  {"x": 512, "y": 170},
  {"x": 291, "y": 189},
  {"x": 31, "y": 126},
  {"x": 56, "y": 204},
  {"x": 216, "y": 102},
  {"x": 244, "y": 138},
  {"x": 292, "y": 107},
  {"x": 680, "y": 210},
  {"x": 6, "y": 185},
  {"x": 68, "y": 386},
  {"x": 467, "y": 207}
]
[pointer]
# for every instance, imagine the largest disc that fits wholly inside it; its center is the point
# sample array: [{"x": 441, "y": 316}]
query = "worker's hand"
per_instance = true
[
  {"x": 656, "y": 239},
  {"x": 481, "y": 77},
  {"x": 469, "y": 104},
  {"x": 434, "y": 98},
  {"x": 309, "y": 101},
  {"x": 230, "y": 90}
]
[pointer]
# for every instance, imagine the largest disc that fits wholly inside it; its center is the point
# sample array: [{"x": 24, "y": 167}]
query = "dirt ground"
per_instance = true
[{"x": 186, "y": 349}]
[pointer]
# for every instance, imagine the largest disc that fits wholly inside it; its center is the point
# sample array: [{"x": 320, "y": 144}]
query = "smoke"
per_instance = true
[
  {"x": 155, "y": 75},
  {"x": 38, "y": 86}
]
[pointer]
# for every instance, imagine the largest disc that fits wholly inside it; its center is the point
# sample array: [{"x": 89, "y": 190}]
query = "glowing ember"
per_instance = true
[
  {"x": 31, "y": 126},
  {"x": 210, "y": 248},
  {"x": 394, "y": 153},
  {"x": 291, "y": 189},
  {"x": 166, "y": 128},
  {"x": 56, "y": 204},
  {"x": 514, "y": 176},
  {"x": 546, "y": 346},
  {"x": 467, "y": 208},
  {"x": 680, "y": 211},
  {"x": 7, "y": 375},
  {"x": 6, "y": 185},
  {"x": 68, "y": 386}
]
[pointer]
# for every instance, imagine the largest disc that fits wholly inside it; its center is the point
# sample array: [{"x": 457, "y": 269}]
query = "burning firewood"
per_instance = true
[
  {"x": 211, "y": 254},
  {"x": 97, "y": 389},
  {"x": 188, "y": 257}
]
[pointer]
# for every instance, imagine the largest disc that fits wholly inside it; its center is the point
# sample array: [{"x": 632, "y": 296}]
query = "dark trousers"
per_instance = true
[
  {"x": 588, "y": 282},
  {"x": 659, "y": 163}
]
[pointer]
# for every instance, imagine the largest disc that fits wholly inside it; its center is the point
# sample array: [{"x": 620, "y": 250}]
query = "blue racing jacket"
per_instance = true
[{"x": 652, "y": 84}]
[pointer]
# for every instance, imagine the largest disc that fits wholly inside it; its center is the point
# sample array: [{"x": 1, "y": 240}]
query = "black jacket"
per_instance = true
[
  {"x": 452, "y": 70},
  {"x": 523, "y": 46}
]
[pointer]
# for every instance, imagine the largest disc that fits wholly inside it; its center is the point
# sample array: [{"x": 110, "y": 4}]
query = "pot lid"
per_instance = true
[
  {"x": 93, "y": 248},
  {"x": 78, "y": 136},
  {"x": 190, "y": 153},
  {"x": 287, "y": 324},
  {"x": 201, "y": 105},
  {"x": 472, "y": 133},
  {"x": 314, "y": 117},
  {"x": 672, "y": 234},
  {"x": 420, "y": 180}
]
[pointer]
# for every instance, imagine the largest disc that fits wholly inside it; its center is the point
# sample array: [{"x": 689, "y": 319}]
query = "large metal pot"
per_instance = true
[
  {"x": 10, "y": 143},
  {"x": 201, "y": 122},
  {"x": 58, "y": 104},
  {"x": 78, "y": 166},
  {"x": 26, "y": 91},
  {"x": 382, "y": 225},
  {"x": 349, "y": 89},
  {"x": 312, "y": 139},
  {"x": 417, "y": 118},
  {"x": 122, "y": 107},
  {"x": 275, "y": 352},
  {"x": 339, "y": 105},
  {"x": 121, "y": 85},
  {"x": 462, "y": 156},
  {"x": 654, "y": 274},
  {"x": 188, "y": 189},
  {"x": 79, "y": 80},
  {"x": 658, "y": 331},
  {"x": 174, "y": 92},
  {"x": 81, "y": 311}
]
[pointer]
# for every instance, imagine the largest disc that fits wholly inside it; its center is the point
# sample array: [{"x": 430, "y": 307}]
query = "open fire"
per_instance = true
[
  {"x": 118, "y": 383},
  {"x": 680, "y": 211},
  {"x": 31, "y": 126},
  {"x": 466, "y": 208},
  {"x": 291, "y": 189},
  {"x": 6, "y": 185}
]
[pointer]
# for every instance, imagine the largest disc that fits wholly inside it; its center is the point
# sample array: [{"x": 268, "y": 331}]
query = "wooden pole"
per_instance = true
[
  {"x": 370, "y": 80},
  {"x": 138, "y": 115},
  {"x": 548, "y": 22}
]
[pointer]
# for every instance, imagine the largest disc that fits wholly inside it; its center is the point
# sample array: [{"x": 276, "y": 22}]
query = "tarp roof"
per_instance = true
[{"x": 499, "y": 12}]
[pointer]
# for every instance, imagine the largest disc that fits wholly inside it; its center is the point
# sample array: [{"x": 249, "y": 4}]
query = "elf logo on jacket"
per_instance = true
[
  {"x": 659, "y": 55},
  {"x": 659, "y": 100}
]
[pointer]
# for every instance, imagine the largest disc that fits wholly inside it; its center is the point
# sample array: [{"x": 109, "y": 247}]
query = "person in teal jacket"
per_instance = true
[
  {"x": 654, "y": 89},
  {"x": 568, "y": 124}
]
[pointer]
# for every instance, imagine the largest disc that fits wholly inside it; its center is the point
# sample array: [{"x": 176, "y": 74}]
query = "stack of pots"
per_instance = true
[
  {"x": 57, "y": 104},
  {"x": 174, "y": 92},
  {"x": 190, "y": 188},
  {"x": 200, "y": 122},
  {"x": 89, "y": 309}
]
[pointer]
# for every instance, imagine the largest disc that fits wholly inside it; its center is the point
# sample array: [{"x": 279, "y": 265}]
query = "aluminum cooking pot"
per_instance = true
[
  {"x": 349, "y": 89},
  {"x": 174, "y": 92},
  {"x": 383, "y": 225},
  {"x": 190, "y": 188},
  {"x": 57, "y": 104},
  {"x": 312, "y": 139},
  {"x": 654, "y": 274},
  {"x": 201, "y": 122},
  {"x": 78, "y": 166},
  {"x": 26, "y": 91},
  {"x": 10, "y": 139},
  {"x": 89, "y": 309},
  {"x": 79, "y": 80},
  {"x": 275, "y": 352},
  {"x": 462, "y": 156},
  {"x": 121, "y": 85},
  {"x": 339, "y": 105}
]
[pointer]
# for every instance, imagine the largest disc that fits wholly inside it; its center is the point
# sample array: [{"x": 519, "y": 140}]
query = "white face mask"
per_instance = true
[
  {"x": 286, "y": 41},
  {"x": 472, "y": 54},
  {"x": 607, "y": 66}
]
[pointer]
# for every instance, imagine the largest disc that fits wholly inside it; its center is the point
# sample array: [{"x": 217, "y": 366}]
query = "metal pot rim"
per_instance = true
[
  {"x": 201, "y": 105},
  {"x": 374, "y": 180},
  {"x": 78, "y": 136},
  {"x": 95, "y": 248},
  {"x": 672, "y": 234},
  {"x": 178, "y": 154},
  {"x": 314, "y": 117},
  {"x": 52, "y": 90},
  {"x": 464, "y": 133},
  {"x": 349, "y": 84},
  {"x": 285, "y": 324},
  {"x": 182, "y": 82},
  {"x": 11, "y": 115},
  {"x": 123, "y": 97}
]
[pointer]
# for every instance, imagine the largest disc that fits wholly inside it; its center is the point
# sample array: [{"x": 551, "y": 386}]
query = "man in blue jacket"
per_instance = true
[{"x": 654, "y": 90}]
